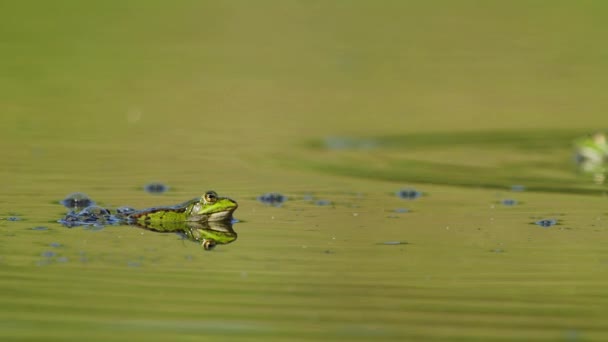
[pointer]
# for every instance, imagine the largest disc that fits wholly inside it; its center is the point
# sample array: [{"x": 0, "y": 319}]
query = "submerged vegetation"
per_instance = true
[{"x": 539, "y": 160}]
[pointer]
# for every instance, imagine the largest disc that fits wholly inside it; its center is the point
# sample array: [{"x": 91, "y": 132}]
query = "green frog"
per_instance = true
[
  {"x": 209, "y": 208},
  {"x": 207, "y": 219},
  {"x": 208, "y": 234},
  {"x": 591, "y": 155}
]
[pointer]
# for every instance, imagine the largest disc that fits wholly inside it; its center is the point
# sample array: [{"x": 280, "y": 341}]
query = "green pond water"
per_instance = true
[{"x": 337, "y": 105}]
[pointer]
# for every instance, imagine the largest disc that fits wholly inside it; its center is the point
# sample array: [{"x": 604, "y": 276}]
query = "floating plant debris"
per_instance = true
[
  {"x": 125, "y": 210},
  {"x": 13, "y": 218},
  {"x": 77, "y": 200},
  {"x": 90, "y": 216},
  {"x": 48, "y": 254},
  {"x": 546, "y": 222},
  {"x": 323, "y": 203},
  {"x": 390, "y": 243},
  {"x": 508, "y": 202},
  {"x": 155, "y": 188},
  {"x": 272, "y": 198},
  {"x": 409, "y": 194}
]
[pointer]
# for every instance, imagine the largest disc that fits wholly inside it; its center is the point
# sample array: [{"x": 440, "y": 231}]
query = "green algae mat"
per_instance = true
[{"x": 342, "y": 107}]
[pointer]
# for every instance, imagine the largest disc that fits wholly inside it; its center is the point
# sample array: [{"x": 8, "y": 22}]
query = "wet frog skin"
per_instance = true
[
  {"x": 208, "y": 234},
  {"x": 209, "y": 208}
]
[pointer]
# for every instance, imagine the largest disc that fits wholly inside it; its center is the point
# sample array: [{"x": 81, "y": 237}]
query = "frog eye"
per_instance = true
[
  {"x": 208, "y": 244},
  {"x": 210, "y": 196}
]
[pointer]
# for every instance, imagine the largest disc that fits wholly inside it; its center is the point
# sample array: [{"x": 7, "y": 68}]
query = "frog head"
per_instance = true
[{"x": 213, "y": 207}]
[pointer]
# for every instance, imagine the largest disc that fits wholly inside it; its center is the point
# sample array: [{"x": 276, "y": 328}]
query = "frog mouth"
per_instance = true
[{"x": 221, "y": 216}]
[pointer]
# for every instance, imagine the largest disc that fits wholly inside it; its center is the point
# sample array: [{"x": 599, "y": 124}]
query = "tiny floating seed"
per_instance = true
[
  {"x": 409, "y": 194},
  {"x": 156, "y": 188},
  {"x": 546, "y": 222},
  {"x": 272, "y": 198}
]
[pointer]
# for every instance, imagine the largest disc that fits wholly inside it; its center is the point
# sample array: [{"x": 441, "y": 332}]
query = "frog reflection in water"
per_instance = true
[
  {"x": 207, "y": 220},
  {"x": 591, "y": 155}
]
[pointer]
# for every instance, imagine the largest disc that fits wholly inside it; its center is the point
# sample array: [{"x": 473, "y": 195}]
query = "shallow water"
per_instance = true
[
  {"x": 336, "y": 106},
  {"x": 465, "y": 267}
]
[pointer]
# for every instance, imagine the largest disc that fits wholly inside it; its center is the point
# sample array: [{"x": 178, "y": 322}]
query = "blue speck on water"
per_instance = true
[
  {"x": 77, "y": 200},
  {"x": 48, "y": 254},
  {"x": 545, "y": 223},
  {"x": 508, "y": 202},
  {"x": 323, "y": 203},
  {"x": 40, "y": 228},
  {"x": 394, "y": 243},
  {"x": 409, "y": 194},
  {"x": 155, "y": 188},
  {"x": 518, "y": 187},
  {"x": 55, "y": 244},
  {"x": 341, "y": 143},
  {"x": 13, "y": 218},
  {"x": 402, "y": 210},
  {"x": 94, "y": 227},
  {"x": 272, "y": 198},
  {"x": 308, "y": 197}
]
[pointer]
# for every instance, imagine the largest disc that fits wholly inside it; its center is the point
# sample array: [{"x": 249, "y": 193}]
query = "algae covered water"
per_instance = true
[{"x": 403, "y": 170}]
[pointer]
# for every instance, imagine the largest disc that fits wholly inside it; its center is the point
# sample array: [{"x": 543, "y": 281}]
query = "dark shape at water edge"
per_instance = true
[
  {"x": 546, "y": 223},
  {"x": 77, "y": 200},
  {"x": 272, "y": 198},
  {"x": 156, "y": 188},
  {"x": 409, "y": 194}
]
